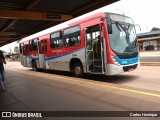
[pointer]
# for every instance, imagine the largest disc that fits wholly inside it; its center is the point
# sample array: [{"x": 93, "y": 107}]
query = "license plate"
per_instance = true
[{"x": 131, "y": 69}]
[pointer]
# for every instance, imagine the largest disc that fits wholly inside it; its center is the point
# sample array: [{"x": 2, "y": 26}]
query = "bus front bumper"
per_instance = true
[{"x": 113, "y": 69}]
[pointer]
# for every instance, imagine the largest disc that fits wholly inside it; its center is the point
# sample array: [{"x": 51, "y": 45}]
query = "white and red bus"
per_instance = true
[{"x": 103, "y": 43}]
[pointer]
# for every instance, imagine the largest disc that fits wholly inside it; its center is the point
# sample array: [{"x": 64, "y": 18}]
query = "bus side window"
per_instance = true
[
  {"x": 56, "y": 40},
  {"x": 21, "y": 47},
  {"x": 35, "y": 44},
  {"x": 30, "y": 46},
  {"x": 26, "y": 49},
  {"x": 72, "y": 36}
]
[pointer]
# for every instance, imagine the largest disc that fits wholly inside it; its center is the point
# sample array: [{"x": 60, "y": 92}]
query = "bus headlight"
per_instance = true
[
  {"x": 138, "y": 58},
  {"x": 114, "y": 60}
]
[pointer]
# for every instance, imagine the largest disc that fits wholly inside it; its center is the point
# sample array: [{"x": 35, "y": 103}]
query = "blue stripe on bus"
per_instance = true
[
  {"x": 127, "y": 61},
  {"x": 54, "y": 57}
]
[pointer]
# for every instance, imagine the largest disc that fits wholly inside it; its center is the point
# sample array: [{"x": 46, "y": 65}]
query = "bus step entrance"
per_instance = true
[
  {"x": 97, "y": 62},
  {"x": 96, "y": 66},
  {"x": 97, "y": 69}
]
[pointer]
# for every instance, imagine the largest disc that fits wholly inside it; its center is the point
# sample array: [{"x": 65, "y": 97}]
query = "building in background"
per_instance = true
[
  {"x": 14, "y": 56},
  {"x": 149, "y": 41}
]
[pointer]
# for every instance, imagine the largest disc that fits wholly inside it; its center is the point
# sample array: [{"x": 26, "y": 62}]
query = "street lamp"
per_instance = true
[{"x": 122, "y": 12}]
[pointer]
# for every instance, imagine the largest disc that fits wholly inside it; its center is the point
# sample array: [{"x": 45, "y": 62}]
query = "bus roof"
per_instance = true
[
  {"x": 69, "y": 23},
  {"x": 74, "y": 22}
]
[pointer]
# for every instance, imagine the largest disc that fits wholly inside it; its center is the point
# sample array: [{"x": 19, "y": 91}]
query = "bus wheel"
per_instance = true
[
  {"x": 34, "y": 66},
  {"x": 78, "y": 70}
]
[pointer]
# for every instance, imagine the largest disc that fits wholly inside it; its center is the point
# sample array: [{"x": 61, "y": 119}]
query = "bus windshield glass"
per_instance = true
[{"x": 123, "y": 37}]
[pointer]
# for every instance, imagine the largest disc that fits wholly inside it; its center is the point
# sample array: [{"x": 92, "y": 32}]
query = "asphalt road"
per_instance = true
[
  {"x": 150, "y": 58},
  {"x": 28, "y": 90}
]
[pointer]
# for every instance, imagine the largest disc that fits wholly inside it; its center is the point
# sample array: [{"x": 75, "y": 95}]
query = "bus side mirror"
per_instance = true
[
  {"x": 109, "y": 26},
  {"x": 138, "y": 26}
]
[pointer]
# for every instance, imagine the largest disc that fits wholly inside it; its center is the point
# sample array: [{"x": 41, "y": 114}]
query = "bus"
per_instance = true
[{"x": 101, "y": 43}]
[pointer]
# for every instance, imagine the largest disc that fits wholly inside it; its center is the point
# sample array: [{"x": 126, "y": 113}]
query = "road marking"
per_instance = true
[
  {"x": 108, "y": 86},
  {"x": 98, "y": 84}
]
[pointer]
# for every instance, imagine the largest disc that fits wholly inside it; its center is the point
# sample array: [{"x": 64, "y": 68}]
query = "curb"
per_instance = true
[{"x": 150, "y": 63}]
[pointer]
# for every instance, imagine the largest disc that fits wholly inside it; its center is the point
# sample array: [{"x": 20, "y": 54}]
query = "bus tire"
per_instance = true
[
  {"x": 78, "y": 70},
  {"x": 34, "y": 66}
]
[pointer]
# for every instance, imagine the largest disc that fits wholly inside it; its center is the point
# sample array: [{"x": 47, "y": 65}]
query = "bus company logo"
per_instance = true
[
  {"x": 21, "y": 114},
  {"x": 6, "y": 114}
]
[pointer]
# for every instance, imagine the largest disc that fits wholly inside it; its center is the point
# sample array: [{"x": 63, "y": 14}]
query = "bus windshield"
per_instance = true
[{"x": 123, "y": 37}]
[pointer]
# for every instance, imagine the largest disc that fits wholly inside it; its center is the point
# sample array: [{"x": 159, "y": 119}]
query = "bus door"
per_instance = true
[
  {"x": 27, "y": 54},
  {"x": 21, "y": 53},
  {"x": 42, "y": 50},
  {"x": 94, "y": 49},
  {"x": 24, "y": 56}
]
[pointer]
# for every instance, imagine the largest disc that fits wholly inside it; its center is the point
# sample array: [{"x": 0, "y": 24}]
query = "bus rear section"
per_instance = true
[
  {"x": 24, "y": 46},
  {"x": 29, "y": 53}
]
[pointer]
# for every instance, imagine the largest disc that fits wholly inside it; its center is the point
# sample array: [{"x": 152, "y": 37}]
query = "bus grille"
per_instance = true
[{"x": 130, "y": 68}]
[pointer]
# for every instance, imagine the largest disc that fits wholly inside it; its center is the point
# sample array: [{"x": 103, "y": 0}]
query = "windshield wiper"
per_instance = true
[
  {"x": 118, "y": 26},
  {"x": 125, "y": 29}
]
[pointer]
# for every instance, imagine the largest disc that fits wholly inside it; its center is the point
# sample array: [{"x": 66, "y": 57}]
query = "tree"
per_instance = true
[
  {"x": 18, "y": 41},
  {"x": 16, "y": 49},
  {"x": 155, "y": 29}
]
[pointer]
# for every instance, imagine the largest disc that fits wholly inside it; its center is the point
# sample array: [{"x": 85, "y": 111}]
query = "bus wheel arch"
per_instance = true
[
  {"x": 34, "y": 65},
  {"x": 76, "y": 67}
]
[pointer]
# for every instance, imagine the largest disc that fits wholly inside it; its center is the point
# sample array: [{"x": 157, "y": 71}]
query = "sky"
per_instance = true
[{"x": 143, "y": 12}]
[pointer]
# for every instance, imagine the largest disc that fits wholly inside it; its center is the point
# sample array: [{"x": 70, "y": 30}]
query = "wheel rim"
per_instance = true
[
  {"x": 78, "y": 70},
  {"x": 34, "y": 66}
]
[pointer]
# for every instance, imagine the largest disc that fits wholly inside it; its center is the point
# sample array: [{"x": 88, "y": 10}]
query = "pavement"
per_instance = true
[{"x": 27, "y": 90}]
